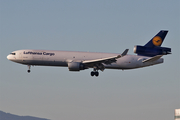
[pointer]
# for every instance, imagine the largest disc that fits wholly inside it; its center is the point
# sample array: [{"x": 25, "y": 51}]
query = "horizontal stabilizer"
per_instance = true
[{"x": 152, "y": 58}]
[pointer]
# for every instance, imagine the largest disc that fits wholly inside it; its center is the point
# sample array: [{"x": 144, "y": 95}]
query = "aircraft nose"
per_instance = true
[{"x": 8, "y": 57}]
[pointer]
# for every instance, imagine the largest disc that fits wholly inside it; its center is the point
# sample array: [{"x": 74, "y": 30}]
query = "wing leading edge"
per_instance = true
[{"x": 107, "y": 60}]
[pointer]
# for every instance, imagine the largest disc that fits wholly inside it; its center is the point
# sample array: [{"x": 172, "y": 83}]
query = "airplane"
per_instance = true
[{"x": 147, "y": 55}]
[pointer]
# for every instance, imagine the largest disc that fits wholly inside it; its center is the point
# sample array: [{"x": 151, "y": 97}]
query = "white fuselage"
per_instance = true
[{"x": 61, "y": 58}]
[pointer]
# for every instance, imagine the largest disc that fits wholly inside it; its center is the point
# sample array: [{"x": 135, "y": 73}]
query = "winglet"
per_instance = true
[{"x": 125, "y": 52}]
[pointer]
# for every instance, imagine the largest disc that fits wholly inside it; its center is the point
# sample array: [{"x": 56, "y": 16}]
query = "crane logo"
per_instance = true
[{"x": 157, "y": 41}]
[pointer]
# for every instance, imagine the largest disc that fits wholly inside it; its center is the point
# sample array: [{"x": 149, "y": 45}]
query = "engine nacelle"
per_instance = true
[
  {"x": 76, "y": 66},
  {"x": 148, "y": 51}
]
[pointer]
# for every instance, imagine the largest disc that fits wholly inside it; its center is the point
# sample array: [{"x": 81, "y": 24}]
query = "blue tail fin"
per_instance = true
[
  {"x": 157, "y": 40},
  {"x": 152, "y": 48}
]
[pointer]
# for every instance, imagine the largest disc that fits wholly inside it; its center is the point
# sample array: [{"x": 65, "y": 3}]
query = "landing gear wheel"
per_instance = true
[
  {"x": 92, "y": 73},
  {"x": 29, "y": 66},
  {"x": 96, "y": 74}
]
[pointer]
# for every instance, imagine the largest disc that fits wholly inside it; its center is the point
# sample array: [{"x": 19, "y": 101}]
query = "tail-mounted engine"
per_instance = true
[{"x": 149, "y": 51}]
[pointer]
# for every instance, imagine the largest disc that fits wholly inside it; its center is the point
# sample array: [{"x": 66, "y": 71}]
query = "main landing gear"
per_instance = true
[
  {"x": 95, "y": 72},
  {"x": 29, "y": 67}
]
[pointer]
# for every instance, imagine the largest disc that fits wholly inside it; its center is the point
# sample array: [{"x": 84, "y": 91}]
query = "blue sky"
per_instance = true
[{"x": 97, "y": 26}]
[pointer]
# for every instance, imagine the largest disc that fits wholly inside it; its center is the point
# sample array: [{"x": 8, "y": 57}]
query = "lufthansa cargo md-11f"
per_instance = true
[{"x": 147, "y": 55}]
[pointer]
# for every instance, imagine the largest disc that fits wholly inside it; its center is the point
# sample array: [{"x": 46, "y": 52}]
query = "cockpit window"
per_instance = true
[{"x": 13, "y": 53}]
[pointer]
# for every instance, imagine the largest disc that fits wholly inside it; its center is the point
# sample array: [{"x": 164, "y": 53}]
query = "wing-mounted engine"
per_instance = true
[
  {"x": 76, "y": 66},
  {"x": 151, "y": 51}
]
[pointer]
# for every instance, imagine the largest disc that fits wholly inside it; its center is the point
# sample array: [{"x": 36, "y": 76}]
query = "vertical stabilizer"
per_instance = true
[
  {"x": 157, "y": 40},
  {"x": 153, "y": 47}
]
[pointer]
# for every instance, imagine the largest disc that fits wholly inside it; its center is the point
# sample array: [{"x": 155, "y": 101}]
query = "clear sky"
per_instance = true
[{"x": 149, "y": 93}]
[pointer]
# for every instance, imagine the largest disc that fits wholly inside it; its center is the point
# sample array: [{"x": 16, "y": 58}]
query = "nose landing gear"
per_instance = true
[{"x": 29, "y": 66}]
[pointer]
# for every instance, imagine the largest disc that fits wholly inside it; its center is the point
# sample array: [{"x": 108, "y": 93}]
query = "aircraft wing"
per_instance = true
[
  {"x": 107, "y": 60},
  {"x": 152, "y": 58}
]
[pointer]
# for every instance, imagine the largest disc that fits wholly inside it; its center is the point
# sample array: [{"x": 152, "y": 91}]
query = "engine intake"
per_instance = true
[{"x": 76, "y": 66}]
